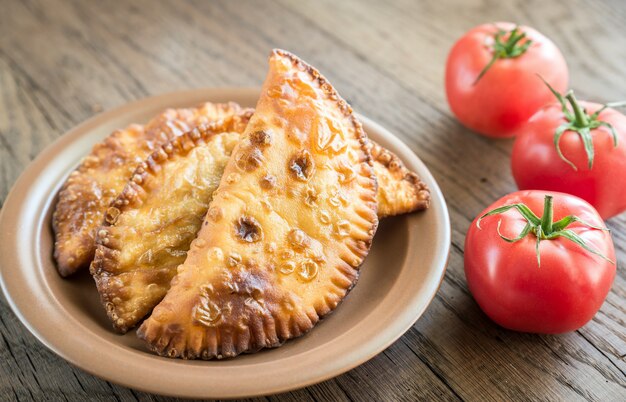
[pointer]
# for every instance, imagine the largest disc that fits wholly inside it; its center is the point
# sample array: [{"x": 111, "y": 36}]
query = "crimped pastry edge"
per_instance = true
[{"x": 162, "y": 339}]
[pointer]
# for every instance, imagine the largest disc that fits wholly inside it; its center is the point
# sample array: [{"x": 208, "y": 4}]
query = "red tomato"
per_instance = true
[
  {"x": 509, "y": 92},
  {"x": 561, "y": 294},
  {"x": 536, "y": 164}
]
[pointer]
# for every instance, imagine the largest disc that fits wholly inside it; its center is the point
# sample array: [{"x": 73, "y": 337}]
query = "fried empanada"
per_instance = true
[
  {"x": 104, "y": 172},
  {"x": 400, "y": 191},
  {"x": 161, "y": 210},
  {"x": 288, "y": 227},
  {"x": 158, "y": 217},
  {"x": 147, "y": 233}
]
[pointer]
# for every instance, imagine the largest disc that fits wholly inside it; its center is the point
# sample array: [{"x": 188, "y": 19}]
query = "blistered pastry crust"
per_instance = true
[
  {"x": 282, "y": 243},
  {"x": 400, "y": 191},
  {"x": 148, "y": 228},
  {"x": 103, "y": 174}
]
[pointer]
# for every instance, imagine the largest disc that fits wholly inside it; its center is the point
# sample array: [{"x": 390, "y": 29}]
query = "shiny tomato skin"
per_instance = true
[
  {"x": 559, "y": 296},
  {"x": 511, "y": 91},
  {"x": 536, "y": 165}
]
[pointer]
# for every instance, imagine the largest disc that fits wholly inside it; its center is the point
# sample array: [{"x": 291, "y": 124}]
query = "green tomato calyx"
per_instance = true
[
  {"x": 580, "y": 122},
  {"x": 506, "y": 45},
  {"x": 545, "y": 228}
]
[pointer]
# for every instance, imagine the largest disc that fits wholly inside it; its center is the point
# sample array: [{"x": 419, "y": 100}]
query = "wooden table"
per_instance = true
[{"x": 61, "y": 62}]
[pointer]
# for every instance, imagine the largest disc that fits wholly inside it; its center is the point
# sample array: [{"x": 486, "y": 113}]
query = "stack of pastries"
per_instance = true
[{"x": 225, "y": 230}]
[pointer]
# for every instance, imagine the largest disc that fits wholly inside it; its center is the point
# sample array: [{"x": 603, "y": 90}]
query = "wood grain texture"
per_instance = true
[{"x": 63, "y": 61}]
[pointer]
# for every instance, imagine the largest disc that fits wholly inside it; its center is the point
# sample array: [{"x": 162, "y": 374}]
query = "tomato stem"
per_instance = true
[
  {"x": 548, "y": 214},
  {"x": 581, "y": 118},
  {"x": 513, "y": 46},
  {"x": 544, "y": 228},
  {"x": 581, "y": 123}
]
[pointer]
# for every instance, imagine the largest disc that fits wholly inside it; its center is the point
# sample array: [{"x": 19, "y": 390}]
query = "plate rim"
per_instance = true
[{"x": 17, "y": 196}]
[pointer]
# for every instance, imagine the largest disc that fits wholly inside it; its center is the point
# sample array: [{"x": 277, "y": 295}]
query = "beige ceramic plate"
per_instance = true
[{"x": 398, "y": 281}]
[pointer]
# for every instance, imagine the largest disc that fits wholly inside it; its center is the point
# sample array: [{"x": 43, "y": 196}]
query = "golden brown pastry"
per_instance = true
[
  {"x": 400, "y": 191},
  {"x": 104, "y": 172},
  {"x": 149, "y": 230},
  {"x": 161, "y": 211},
  {"x": 290, "y": 224}
]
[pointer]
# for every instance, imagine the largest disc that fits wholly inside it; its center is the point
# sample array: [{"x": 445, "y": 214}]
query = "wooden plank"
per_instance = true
[
  {"x": 60, "y": 62},
  {"x": 399, "y": 38}
]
